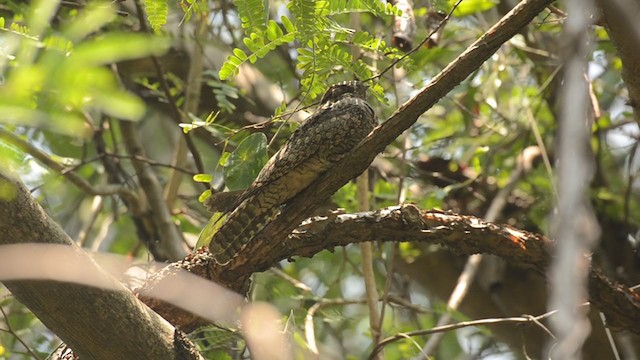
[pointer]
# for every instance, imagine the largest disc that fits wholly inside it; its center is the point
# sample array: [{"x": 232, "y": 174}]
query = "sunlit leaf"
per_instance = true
[
  {"x": 157, "y": 11},
  {"x": 115, "y": 47},
  {"x": 203, "y": 178},
  {"x": 216, "y": 221},
  {"x": 246, "y": 161},
  {"x": 93, "y": 17},
  {"x": 469, "y": 7},
  {"x": 121, "y": 105}
]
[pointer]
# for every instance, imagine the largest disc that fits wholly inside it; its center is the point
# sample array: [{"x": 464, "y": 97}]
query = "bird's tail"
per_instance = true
[{"x": 241, "y": 226}]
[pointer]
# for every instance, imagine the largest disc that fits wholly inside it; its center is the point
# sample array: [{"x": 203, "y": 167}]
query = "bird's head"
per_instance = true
[{"x": 353, "y": 88}]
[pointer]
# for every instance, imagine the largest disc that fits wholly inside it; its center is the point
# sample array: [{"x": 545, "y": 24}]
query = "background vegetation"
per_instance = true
[{"x": 122, "y": 117}]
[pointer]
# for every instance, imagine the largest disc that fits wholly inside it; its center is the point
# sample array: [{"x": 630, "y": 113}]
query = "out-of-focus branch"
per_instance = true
[
  {"x": 177, "y": 115},
  {"x": 621, "y": 21},
  {"x": 81, "y": 183},
  {"x": 192, "y": 100},
  {"x": 170, "y": 244},
  {"x": 81, "y": 315},
  {"x": 574, "y": 224},
  {"x": 366, "y": 248}
]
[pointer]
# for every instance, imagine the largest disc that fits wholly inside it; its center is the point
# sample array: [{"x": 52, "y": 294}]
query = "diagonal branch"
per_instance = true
[
  {"x": 355, "y": 163},
  {"x": 85, "y": 315}
]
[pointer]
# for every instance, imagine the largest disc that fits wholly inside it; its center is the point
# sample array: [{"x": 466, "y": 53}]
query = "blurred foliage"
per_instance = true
[
  {"x": 52, "y": 77},
  {"x": 70, "y": 74}
]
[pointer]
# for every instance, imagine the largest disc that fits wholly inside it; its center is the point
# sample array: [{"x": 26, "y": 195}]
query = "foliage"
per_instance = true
[
  {"x": 245, "y": 162},
  {"x": 69, "y": 75},
  {"x": 314, "y": 28},
  {"x": 259, "y": 44},
  {"x": 253, "y": 15},
  {"x": 51, "y": 78},
  {"x": 157, "y": 11}
]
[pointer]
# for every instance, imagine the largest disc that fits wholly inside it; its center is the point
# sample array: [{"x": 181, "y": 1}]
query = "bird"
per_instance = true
[{"x": 342, "y": 120}]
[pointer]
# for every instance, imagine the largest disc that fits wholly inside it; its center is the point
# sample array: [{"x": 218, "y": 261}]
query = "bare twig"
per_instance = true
[
  {"x": 309, "y": 331},
  {"x": 74, "y": 178},
  {"x": 192, "y": 100},
  {"x": 439, "y": 329},
  {"x": 178, "y": 116},
  {"x": 10, "y": 330},
  {"x": 170, "y": 241}
]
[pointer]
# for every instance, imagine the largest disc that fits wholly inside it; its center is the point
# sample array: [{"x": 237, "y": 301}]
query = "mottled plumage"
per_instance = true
[{"x": 343, "y": 119}]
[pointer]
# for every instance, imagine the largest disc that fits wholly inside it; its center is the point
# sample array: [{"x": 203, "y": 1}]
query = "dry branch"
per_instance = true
[
  {"x": 89, "y": 319},
  {"x": 463, "y": 235}
]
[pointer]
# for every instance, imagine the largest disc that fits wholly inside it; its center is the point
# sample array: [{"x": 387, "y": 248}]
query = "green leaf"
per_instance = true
[
  {"x": 469, "y": 7},
  {"x": 216, "y": 221},
  {"x": 260, "y": 44},
  {"x": 203, "y": 178},
  {"x": 41, "y": 13},
  {"x": 115, "y": 47},
  {"x": 240, "y": 54},
  {"x": 157, "y": 11},
  {"x": 120, "y": 104},
  {"x": 253, "y": 15},
  {"x": 246, "y": 161},
  {"x": 224, "y": 158},
  {"x": 94, "y": 16},
  {"x": 204, "y": 196},
  {"x": 304, "y": 16}
]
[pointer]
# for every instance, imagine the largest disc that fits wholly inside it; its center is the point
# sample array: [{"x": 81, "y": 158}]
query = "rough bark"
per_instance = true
[
  {"x": 462, "y": 235},
  {"x": 97, "y": 323}
]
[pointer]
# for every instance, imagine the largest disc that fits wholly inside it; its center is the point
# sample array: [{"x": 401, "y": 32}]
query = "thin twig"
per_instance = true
[
  {"x": 74, "y": 178},
  {"x": 178, "y": 116},
  {"x": 421, "y": 44},
  {"x": 10, "y": 330},
  {"x": 463, "y": 324},
  {"x": 309, "y": 331}
]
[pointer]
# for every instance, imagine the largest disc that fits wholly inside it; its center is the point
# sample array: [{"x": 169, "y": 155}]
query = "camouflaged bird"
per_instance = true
[{"x": 343, "y": 119}]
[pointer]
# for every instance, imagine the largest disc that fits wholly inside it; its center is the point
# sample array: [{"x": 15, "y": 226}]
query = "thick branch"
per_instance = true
[
  {"x": 355, "y": 163},
  {"x": 97, "y": 323},
  {"x": 463, "y": 235}
]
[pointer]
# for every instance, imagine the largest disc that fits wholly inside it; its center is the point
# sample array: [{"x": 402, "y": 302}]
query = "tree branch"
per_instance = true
[
  {"x": 87, "y": 318},
  {"x": 169, "y": 244},
  {"x": 301, "y": 207},
  {"x": 463, "y": 235},
  {"x": 67, "y": 172}
]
